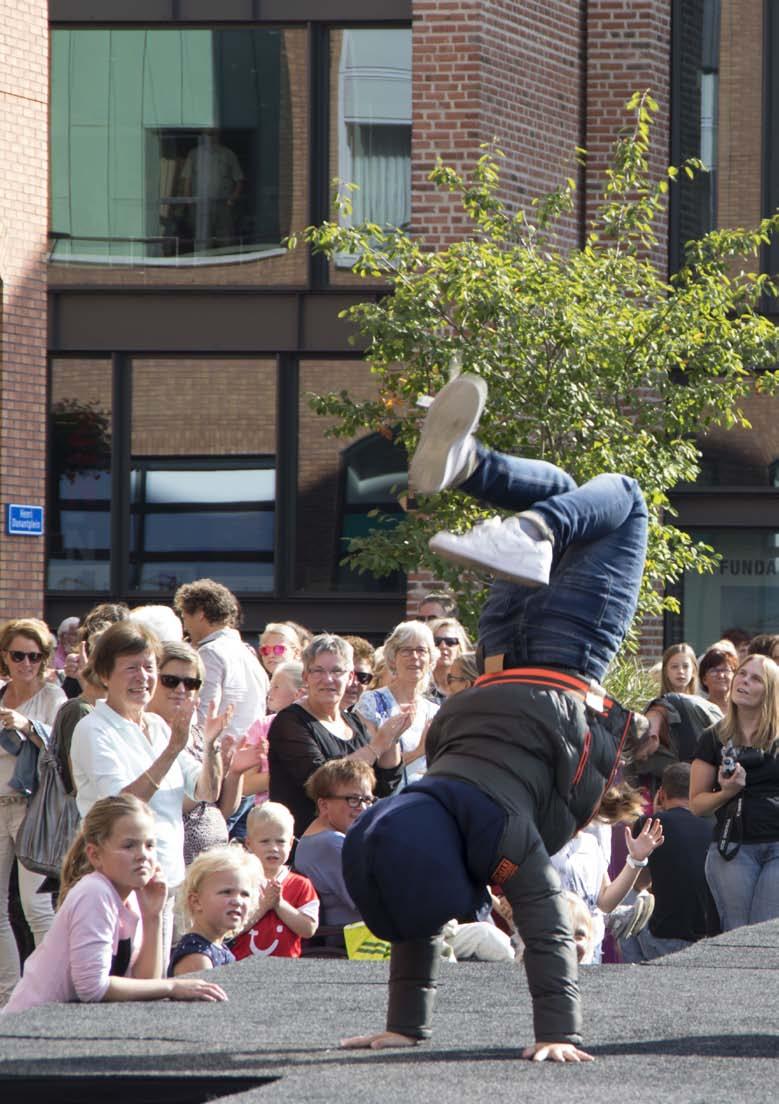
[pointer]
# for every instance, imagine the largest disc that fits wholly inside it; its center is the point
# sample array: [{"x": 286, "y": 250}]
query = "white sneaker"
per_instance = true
[
  {"x": 500, "y": 547},
  {"x": 445, "y": 445}
]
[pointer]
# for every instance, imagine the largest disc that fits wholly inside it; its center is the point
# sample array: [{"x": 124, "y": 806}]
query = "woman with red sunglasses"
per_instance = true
[
  {"x": 279, "y": 643},
  {"x": 28, "y": 705}
]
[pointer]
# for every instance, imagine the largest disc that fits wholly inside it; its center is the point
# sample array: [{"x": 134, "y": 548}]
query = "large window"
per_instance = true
[
  {"x": 371, "y": 123},
  {"x": 194, "y": 493},
  {"x": 743, "y": 593},
  {"x": 175, "y": 148}
]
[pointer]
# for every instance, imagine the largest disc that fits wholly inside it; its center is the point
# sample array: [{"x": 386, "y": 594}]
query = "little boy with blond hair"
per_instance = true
[{"x": 288, "y": 907}]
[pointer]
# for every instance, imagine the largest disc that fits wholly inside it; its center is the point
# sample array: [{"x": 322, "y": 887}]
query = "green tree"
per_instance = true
[{"x": 594, "y": 360}]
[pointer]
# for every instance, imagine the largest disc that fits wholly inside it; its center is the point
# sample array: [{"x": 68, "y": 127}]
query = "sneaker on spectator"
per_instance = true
[
  {"x": 501, "y": 547},
  {"x": 445, "y": 453},
  {"x": 627, "y": 920}
]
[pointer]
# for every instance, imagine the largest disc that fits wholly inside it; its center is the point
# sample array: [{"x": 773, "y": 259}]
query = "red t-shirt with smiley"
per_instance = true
[{"x": 271, "y": 936}]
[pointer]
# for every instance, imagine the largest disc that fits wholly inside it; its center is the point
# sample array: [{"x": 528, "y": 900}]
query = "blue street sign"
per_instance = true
[{"x": 23, "y": 521}]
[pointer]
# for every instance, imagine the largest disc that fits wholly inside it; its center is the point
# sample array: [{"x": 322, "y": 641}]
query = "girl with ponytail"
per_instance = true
[{"x": 106, "y": 940}]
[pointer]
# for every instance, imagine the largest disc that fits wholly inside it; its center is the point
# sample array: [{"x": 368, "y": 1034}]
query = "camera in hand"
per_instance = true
[{"x": 729, "y": 760}]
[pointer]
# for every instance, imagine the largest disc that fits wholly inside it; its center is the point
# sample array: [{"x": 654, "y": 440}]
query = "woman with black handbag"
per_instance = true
[{"x": 735, "y": 777}]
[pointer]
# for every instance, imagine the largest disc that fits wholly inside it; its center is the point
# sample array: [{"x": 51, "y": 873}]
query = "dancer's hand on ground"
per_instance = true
[
  {"x": 650, "y": 837},
  {"x": 556, "y": 1052},
  {"x": 380, "y": 1040}
]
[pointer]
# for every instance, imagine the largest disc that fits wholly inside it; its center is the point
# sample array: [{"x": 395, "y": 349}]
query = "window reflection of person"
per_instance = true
[{"x": 213, "y": 176}]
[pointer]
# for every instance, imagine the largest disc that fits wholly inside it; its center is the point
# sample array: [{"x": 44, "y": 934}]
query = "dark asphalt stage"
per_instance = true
[{"x": 699, "y": 1026}]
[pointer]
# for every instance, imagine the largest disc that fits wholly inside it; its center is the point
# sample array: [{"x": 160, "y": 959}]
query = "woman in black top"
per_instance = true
[
  {"x": 315, "y": 729},
  {"x": 744, "y": 881}
]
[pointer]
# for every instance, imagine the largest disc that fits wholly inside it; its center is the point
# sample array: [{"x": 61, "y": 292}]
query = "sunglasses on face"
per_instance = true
[
  {"x": 363, "y": 677},
  {"x": 354, "y": 801},
  {"x": 19, "y": 657},
  {"x": 273, "y": 649},
  {"x": 171, "y": 682},
  {"x": 452, "y": 641}
]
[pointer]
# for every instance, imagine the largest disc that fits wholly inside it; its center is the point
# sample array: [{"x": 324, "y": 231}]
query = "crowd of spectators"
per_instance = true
[{"x": 251, "y": 765}]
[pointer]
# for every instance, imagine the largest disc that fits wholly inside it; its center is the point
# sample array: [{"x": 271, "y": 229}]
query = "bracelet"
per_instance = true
[
  {"x": 375, "y": 753},
  {"x": 155, "y": 784},
  {"x": 637, "y": 864}
]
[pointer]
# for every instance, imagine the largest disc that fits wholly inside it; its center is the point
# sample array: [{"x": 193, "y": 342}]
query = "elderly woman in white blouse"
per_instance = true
[{"x": 121, "y": 747}]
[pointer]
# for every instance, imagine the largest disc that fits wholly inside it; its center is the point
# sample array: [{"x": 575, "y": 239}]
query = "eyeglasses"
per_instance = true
[
  {"x": 452, "y": 641},
  {"x": 172, "y": 681},
  {"x": 354, "y": 801},
  {"x": 456, "y": 678},
  {"x": 363, "y": 677},
  {"x": 273, "y": 649},
  {"x": 407, "y": 653},
  {"x": 328, "y": 672},
  {"x": 19, "y": 657}
]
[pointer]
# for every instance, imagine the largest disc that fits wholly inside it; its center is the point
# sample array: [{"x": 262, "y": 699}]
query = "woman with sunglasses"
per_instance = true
[
  {"x": 180, "y": 678},
  {"x": 28, "y": 705},
  {"x": 122, "y": 747},
  {"x": 463, "y": 673},
  {"x": 451, "y": 640},
  {"x": 279, "y": 643}
]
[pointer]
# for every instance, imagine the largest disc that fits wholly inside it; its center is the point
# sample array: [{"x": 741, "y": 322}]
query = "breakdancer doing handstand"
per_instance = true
[{"x": 518, "y": 763}]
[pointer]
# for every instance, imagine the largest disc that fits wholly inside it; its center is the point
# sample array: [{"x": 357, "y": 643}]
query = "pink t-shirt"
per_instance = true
[
  {"x": 74, "y": 961},
  {"x": 257, "y": 736}
]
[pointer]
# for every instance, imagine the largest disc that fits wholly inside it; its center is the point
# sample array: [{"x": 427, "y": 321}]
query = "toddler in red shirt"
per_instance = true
[{"x": 288, "y": 907}]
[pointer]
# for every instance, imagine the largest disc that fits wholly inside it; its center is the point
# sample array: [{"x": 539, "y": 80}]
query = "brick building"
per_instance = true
[{"x": 186, "y": 140}]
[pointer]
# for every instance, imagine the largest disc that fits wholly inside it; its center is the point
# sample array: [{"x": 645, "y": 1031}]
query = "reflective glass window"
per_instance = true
[
  {"x": 176, "y": 148},
  {"x": 743, "y": 592},
  {"x": 371, "y": 121}
]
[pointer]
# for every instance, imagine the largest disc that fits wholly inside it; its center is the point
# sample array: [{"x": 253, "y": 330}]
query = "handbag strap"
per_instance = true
[{"x": 731, "y": 835}]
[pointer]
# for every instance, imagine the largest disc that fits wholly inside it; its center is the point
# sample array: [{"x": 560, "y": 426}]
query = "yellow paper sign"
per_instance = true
[{"x": 362, "y": 944}]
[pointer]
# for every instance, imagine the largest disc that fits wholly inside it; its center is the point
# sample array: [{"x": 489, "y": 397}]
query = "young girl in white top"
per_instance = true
[
  {"x": 220, "y": 892},
  {"x": 106, "y": 940}
]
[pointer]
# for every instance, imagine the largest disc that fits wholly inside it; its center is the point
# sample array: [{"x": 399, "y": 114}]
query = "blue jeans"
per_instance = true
[
  {"x": 746, "y": 889},
  {"x": 644, "y": 947},
  {"x": 600, "y": 531}
]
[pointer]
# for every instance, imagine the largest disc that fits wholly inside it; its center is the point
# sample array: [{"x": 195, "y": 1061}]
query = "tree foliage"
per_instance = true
[{"x": 594, "y": 359}]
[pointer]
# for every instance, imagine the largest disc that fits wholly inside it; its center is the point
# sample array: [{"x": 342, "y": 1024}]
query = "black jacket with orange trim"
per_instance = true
[{"x": 530, "y": 732}]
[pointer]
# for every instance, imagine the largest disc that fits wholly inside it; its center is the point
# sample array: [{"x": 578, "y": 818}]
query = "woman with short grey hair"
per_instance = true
[
  {"x": 409, "y": 652},
  {"x": 315, "y": 729}
]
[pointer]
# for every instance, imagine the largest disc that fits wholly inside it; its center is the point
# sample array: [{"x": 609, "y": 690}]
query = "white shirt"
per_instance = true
[
  {"x": 371, "y": 707},
  {"x": 109, "y": 752},
  {"x": 233, "y": 677}
]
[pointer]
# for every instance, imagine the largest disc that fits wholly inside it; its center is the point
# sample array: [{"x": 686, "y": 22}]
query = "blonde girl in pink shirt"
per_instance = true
[{"x": 106, "y": 940}]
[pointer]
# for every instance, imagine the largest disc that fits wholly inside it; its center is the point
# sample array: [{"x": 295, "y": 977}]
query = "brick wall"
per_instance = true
[{"x": 23, "y": 242}]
